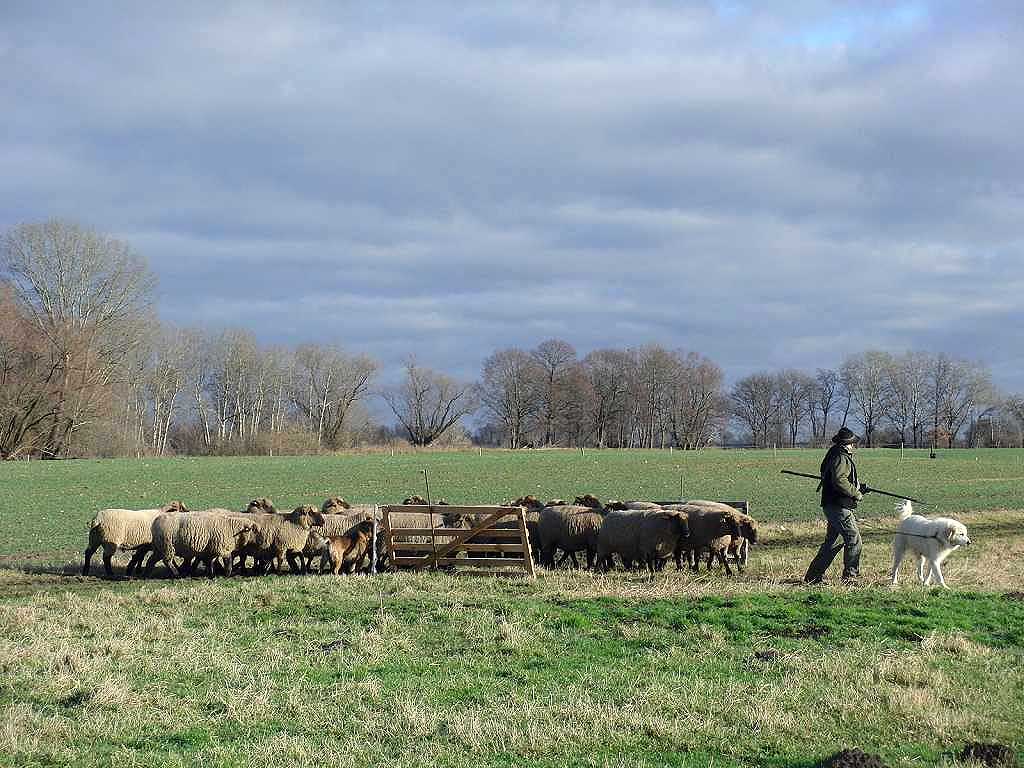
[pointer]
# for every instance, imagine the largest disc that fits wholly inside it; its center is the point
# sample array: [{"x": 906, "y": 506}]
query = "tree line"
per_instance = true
[{"x": 87, "y": 369}]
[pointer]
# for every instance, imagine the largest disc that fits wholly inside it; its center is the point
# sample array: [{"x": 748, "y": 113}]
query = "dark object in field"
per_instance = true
[
  {"x": 1015, "y": 596},
  {"x": 988, "y": 754},
  {"x": 768, "y": 656},
  {"x": 853, "y": 758}
]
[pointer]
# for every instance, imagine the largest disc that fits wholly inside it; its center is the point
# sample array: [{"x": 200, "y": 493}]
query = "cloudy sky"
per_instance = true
[{"x": 769, "y": 184}]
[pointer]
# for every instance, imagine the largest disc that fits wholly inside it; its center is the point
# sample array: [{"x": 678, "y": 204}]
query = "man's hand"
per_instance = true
[{"x": 863, "y": 488}]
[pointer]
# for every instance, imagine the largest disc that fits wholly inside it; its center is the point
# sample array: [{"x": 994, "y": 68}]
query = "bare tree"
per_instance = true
[
  {"x": 555, "y": 359},
  {"x": 428, "y": 404},
  {"x": 328, "y": 383},
  {"x": 756, "y": 405},
  {"x": 906, "y": 380},
  {"x": 795, "y": 392},
  {"x": 967, "y": 385},
  {"x": 606, "y": 371},
  {"x": 514, "y": 390},
  {"x": 864, "y": 377},
  {"x": 823, "y": 398},
  {"x": 88, "y": 295},
  {"x": 698, "y": 404},
  {"x": 28, "y": 375}
]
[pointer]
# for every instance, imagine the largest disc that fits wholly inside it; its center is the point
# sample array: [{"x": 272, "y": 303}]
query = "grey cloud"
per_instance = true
[{"x": 769, "y": 186}]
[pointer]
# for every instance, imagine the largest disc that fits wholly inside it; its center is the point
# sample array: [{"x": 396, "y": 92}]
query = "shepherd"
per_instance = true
[{"x": 840, "y": 492}]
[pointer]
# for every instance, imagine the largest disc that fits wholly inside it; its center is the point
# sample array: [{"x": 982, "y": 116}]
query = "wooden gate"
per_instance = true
[{"x": 444, "y": 545}]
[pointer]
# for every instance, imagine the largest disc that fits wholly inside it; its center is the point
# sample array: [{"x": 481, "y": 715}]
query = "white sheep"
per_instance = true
[
  {"x": 123, "y": 529},
  {"x": 209, "y": 535}
]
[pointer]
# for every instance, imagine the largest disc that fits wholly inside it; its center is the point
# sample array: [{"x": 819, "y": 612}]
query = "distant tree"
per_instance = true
[
  {"x": 756, "y": 405},
  {"x": 906, "y": 381},
  {"x": 554, "y": 360},
  {"x": 795, "y": 392},
  {"x": 606, "y": 370},
  {"x": 699, "y": 406},
  {"x": 864, "y": 378},
  {"x": 326, "y": 384},
  {"x": 89, "y": 296},
  {"x": 427, "y": 404},
  {"x": 822, "y": 400},
  {"x": 513, "y": 390}
]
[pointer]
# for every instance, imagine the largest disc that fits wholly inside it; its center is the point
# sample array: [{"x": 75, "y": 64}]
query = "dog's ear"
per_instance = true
[{"x": 950, "y": 532}]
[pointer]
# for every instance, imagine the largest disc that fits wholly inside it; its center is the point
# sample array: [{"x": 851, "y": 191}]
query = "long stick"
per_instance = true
[{"x": 866, "y": 487}]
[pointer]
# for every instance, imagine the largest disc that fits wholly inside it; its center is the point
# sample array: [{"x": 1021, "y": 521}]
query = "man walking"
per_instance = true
[{"x": 840, "y": 492}]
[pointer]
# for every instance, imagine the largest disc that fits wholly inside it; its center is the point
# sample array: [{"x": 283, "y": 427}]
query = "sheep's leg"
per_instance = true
[
  {"x": 575, "y": 562},
  {"x": 108, "y": 553},
  {"x": 711, "y": 558},
  {"x": 89, "y": 552},
  {"x": 678, "y": 555},
  {"x": 590, "y": 559},
  {"x": 148, "y": 570},
  {"x": 693, "y": 556},
  {"x": 293, "y": 562},
  {"x": 724, "y": 561},
  {"x": 137, "y": 558},
  {"x": 227, "y": 564},
  {"x": 208, "y": 562}
]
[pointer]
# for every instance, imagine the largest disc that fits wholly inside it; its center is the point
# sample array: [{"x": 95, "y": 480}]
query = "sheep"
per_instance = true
[
  {"x": 334, "y": 506},
  {"x": 644, "y": 536},
  {"x": 556, "y": 503},
  {"x": 641, "y": 505},
  {"x": 615, "y": 505},
  {"x": 125, "y": 529},
  {"x": 334, "y": 525},
  {"x": 713, "y": 526},
  {"x": 739, "y": 547},
  {"x": 262, "y": 504},
  {"x": 588, "y": 500},
  {"x": 345, "y": 552},
  {"x": 570, "y": 529},
  {"x": 207, "y": 536},
  {"x": 281, "y": 537}
]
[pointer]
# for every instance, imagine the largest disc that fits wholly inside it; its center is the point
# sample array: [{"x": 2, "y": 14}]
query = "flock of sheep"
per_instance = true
[{"x": 340, "y": 535}]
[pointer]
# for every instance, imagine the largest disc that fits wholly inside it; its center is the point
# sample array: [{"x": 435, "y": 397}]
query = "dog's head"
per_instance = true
[{"x": 956, "y": 534}]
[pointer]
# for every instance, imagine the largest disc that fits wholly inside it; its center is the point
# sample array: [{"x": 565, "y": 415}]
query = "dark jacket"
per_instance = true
[{"x": 839, "y": 483}]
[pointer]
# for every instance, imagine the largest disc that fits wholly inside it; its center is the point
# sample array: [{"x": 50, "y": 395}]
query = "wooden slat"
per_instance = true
[
  {"x": 475, "y": 562},
  {"x": 527, "y": 557},
  {"x": 498, "y": 533},
  {"x": 428, "y": 547},
  {"x": 446, "y": 509}
]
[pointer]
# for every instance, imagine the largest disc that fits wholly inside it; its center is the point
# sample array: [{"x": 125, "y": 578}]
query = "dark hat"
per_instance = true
[{"x": 845, "y": 436}]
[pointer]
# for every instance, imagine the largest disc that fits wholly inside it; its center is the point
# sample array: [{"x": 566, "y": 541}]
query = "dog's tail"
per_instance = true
[{"x": 905, "y": 510}]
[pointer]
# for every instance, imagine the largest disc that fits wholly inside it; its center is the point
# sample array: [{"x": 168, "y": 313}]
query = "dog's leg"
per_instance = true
[
  {"x": 937, "y": 572},
  {"x": 925, "y": 578},
  {"x": 899, "y": 548}
]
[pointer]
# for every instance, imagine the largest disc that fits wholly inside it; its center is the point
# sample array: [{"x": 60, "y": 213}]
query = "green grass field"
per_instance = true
[
  {"x": 65, "y": 494},
  {"x": 572, "y": 668}
]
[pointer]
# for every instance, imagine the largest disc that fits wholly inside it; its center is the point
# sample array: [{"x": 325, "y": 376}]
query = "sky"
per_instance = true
[{"x": 768, "y": 184}]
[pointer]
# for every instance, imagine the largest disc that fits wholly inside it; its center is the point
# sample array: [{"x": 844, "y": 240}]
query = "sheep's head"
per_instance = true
[
  {"x": 442, "y": 503},
  {"x": 453, "y": 520},
  {"x": 681, "y": 521},
  {"x": 334, "y": 505},
  {"x": 262, "y": 504},
  {"x": 588, "y": 500},
  {"x": 731, "y": 525},
  {"x": 613, "y": 505},
  {"x": 530, "y": 502},
  {"x": 416, "y": 501},
  {"x": 748, "y": 529},
  {"x": 556, "y": 503},
  {"x": 174, "y": 506},
  {"x": 307, "y": 516},
  {"x": 245, "y": 537}
]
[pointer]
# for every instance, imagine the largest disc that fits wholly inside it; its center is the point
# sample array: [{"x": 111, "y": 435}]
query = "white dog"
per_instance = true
[{"x": 933, "y": 540}]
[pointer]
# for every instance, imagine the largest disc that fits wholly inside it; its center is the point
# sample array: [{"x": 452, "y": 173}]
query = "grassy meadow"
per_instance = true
[{"x": 572, "y": 668}]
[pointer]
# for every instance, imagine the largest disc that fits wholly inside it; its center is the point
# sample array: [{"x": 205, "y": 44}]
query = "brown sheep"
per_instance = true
[
  {"x": 280, "y": 537},
  {"x": 570, "y": 529},
  {"x": 713, "y": 526},
  {"x": 346, "y": 553}
]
